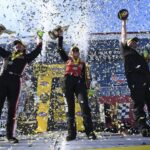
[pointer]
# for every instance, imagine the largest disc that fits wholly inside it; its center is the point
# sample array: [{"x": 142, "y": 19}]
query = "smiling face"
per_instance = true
[
  {"x": 19, "y": 47},
  {"x": 132, "y": 44},
  {"x": 75, "y": 53}
]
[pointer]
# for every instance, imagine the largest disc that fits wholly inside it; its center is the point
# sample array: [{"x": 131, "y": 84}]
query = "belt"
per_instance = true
[
  {"x": 15, "y": 74},
  {"x": 73, "y": 74}
]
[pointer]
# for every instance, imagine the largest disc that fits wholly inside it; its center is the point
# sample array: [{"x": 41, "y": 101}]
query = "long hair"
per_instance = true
[{"x": 72, "y": 48}]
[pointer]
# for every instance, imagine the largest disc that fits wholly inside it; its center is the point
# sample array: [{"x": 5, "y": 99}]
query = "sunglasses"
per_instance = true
[{"x": 75, "y": 50}]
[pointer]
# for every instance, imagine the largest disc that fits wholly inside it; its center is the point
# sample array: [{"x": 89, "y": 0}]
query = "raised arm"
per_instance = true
[
  {"x": 61, "y": 51},
  {"x": 123, "y": 32},
  {"x": 30, "y": 57}
]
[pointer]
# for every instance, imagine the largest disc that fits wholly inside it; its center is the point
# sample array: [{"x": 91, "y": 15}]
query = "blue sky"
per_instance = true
[{"x": 105, "y": 15}]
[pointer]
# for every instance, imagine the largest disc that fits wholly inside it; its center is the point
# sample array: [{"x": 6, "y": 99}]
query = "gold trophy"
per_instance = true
[
  {"x": 4, "y": 30},
  {"x": 55, "y": 32},
  {"x": 123, "y": 14}
]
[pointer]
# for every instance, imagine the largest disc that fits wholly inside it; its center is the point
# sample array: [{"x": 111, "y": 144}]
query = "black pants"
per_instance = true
[
  {"x": 75, "y": 86},
  {"x": 9, "y": 88},
  {"x": 139, "y": 85}
]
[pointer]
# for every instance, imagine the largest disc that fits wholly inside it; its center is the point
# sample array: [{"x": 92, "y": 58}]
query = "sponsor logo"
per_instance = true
[
  {"x": 75, "y": 68},
  {"x": 81, "y": 66},
  {"x": 44, "y": 83},
  {"x": 118, "y": 78},
  {"x": 42, "y": 114},
  {"x": 79, "y": 113}
]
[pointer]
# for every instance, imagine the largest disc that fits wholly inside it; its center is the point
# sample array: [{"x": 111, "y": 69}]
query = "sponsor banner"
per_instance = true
[{"x": 117, "y": 79}]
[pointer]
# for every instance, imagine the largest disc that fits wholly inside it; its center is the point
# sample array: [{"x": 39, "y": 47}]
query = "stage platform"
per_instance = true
[{"x": 56, "y": 141}]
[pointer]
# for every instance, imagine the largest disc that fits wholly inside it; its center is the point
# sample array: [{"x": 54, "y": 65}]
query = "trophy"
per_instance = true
[
  {"x": 4, "y": 30},
  {"x": 55, "y": 32},
  {"x": 123, "y": 14},
  {"x": 40, "y": 34}
]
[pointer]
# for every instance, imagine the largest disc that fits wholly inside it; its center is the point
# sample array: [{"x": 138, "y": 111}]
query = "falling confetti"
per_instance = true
[{"x": 93, "y": 26}]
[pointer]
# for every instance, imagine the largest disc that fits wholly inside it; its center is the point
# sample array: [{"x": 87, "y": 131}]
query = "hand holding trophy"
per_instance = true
[
  {"x": 4, "y": 30},
  {"x": 123, "y": 14},
  {"x": 55, "y": 33},
  {"x": 39, "y": 38}
]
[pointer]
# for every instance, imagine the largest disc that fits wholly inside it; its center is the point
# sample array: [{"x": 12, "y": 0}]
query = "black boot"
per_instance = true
[
  {"x": 70, "y": 137},
  {"x": 91, "y": 136},
  {"x": 13, "y": 140},
  {"x": 145, "y": 132},
  {"x": 71, "y": 131},
  {"x": 144, "y": 127},
  {"x": 89, "y": 128}
]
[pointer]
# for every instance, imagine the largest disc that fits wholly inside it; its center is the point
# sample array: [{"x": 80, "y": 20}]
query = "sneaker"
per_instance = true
[
  {"x": 70, "y": 137},
  {"x": 13, "y": 140},
  {"x": 91, "y": 136}
]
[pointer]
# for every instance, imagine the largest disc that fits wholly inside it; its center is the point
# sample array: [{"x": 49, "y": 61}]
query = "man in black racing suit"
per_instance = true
[
  {"x": 138, "y": 79},
  {"x": 10, "y": 80}
]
